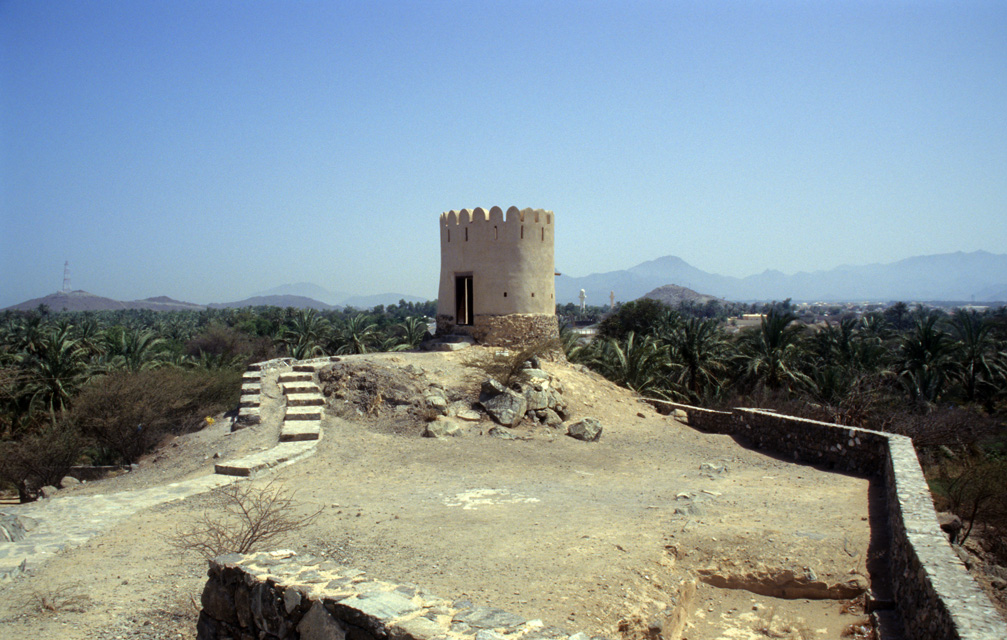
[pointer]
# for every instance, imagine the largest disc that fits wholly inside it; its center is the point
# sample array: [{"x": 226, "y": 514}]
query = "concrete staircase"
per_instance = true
[
  {"x": 301, "y": 428},
  {"x": 305, "y": 404},
  {"x": 251, "y": 396}
]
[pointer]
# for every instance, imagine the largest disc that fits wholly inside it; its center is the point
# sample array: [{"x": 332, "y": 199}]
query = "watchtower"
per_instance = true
[{"x": 498, "y": 276}]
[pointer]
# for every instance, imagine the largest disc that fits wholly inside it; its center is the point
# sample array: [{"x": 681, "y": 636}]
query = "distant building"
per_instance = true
[{"x": 498, "y": 276}]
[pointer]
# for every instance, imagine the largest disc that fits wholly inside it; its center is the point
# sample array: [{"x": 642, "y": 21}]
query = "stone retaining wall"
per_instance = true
[
  {"x": 279, "y": 595},
  {"x": 934, "y": 593}
]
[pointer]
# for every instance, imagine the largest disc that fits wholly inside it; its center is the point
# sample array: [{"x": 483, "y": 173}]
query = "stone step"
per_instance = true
[
  {"x": 255, "y": 366},
  {"x": 294, "y": 376},
  {"x": 300, "y": 387},
  {"x": 298, "y": 430},
  {"x": 248, "y": 415},
  {"x": 248, "y": 401},
  {"x": 310, "y": 368},
  {"x": 457, "y": 337},
  {"x": 303, "y": 413},
  {"x": 305, "y": 400},
  {"x": 450, "y": 346},
  {"x": 281, "y": 453},
  {"x": 251, "y": 388}
]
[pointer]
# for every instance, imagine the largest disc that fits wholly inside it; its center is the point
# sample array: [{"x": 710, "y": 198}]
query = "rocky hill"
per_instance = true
[
  {"x": 673, "y": 295},
  {"x": 84, "y": 301},
  {"x": 283, "y": 301}
]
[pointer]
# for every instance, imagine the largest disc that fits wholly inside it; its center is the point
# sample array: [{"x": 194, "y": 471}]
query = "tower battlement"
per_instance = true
[{"x": 496, "y": 215}]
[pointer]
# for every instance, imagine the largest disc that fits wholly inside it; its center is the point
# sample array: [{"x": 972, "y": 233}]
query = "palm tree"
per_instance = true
[
  {"x": 412, "y": 330},
  {"x": 772, "y": 355},
  {"x": 134, "y": 349},
  {"x": 974, "y": 353},
  {"x": 700, "y": 353},
  {"x": 357, "y": 334},
  {"x": 304, "y": 334},
  {"x": 633, "y": 362},
  {"x": 925, "y": 353},
  {"x": 56, "y": 370}
]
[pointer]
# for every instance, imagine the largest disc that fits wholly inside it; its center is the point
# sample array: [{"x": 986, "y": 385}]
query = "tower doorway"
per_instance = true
[{"x": 465, "y": 312}]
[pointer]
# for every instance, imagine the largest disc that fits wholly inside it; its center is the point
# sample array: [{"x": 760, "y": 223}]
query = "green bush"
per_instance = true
[{"x": 129, "y": 413}]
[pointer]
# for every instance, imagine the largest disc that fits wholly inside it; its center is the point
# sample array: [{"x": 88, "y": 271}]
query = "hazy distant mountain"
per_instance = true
[
  {"x": 336, "y": 298},
  {"x": 674, "y": 295},
  {"x": 367, "y": 302},
  {"x": 84, "y": 301},
  {"x": 164, "y": 303},
  {"x": 305, "y": 290},
  {"x": 950, "y": 276},
  {"x": 297, "y": 302}
]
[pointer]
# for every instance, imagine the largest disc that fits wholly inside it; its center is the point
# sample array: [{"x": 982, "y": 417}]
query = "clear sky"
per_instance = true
[{"x": 206, "y": 150}]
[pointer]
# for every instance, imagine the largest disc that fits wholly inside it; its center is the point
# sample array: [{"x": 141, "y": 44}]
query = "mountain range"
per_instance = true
[
  {"x": 953, "y": 277},
  {"x": 979, "y": 276},
  {"x": 335, "y": 299},
  {"x": 84, "y": 301}
]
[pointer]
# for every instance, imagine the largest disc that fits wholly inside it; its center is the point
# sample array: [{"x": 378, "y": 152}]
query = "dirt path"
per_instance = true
[{"x": 577, "y": 534}]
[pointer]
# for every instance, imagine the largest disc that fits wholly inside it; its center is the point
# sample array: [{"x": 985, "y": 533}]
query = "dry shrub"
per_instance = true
[
  {"x": 950, "y": 426},
  {"x": 975, "y": 490},
  {"x": 129, "y": 413},
  {"x": 61, "y": 599},
  {"x": 246, "y": 518},
  {"x": 508, "y": 367},
  {"x": 42, "y": 457},
  {"x": 229, "y": 344}
]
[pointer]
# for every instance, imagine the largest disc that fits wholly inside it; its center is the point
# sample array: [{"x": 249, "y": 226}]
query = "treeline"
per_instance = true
[
  {"x": 105, "y": 387},
  {"x": 917, "y": 360}
]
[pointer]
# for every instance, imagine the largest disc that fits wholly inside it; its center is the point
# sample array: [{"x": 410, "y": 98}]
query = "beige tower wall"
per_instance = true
[{"x": 510, "y": 258}]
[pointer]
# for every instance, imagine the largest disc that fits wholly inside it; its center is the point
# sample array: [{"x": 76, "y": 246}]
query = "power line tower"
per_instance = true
[{"x": 66, "y": 277}]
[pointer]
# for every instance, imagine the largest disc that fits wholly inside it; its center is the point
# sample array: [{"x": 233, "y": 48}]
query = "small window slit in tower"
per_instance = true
[
  {"x": 496, "y": 233},
  {"x": 522, "y": 232},
  {"x": 543, "y": 234},
  {"x": 466, "y": 234}
]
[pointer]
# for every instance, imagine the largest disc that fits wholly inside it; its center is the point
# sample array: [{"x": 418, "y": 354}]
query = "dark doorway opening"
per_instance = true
[{"x": 463, "y": 300}]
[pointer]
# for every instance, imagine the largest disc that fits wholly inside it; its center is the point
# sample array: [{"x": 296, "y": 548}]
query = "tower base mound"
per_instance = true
[{"x": 510, "y": 330}]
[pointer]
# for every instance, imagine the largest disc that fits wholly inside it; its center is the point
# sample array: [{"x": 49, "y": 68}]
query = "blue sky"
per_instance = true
[{"x": 207, "y": 150}]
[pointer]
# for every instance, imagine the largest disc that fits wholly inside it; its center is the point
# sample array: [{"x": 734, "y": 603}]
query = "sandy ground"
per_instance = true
[{"x": 581, "y": 535}]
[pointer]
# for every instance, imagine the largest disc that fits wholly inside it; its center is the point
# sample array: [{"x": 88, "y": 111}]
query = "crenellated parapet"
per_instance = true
[{"x": 496, "y": 215}]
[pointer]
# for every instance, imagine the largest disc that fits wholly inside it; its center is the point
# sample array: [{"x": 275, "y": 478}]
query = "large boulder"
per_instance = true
[
  {"x": 442, "y": 427},
  {"x": 490, "y": 388},
  {"x": 538, "y": 397},
  {"x": 950, "y": 524},
  {"x": 549, "y": 418},
  {"x": 507, "y": 408},
  {"x": 586, "y": 429}
]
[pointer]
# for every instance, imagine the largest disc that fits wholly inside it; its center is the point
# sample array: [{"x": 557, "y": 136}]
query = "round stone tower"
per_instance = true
[{"x": 498, "y": 276}]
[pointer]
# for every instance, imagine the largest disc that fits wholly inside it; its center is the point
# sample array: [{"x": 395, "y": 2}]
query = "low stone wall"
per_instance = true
[
  {"x": 935, "y": 595},
  {"x": 89, "y": 473},
  {"x": 280, "y": 595},
  {"x": 512, "y": 330}
]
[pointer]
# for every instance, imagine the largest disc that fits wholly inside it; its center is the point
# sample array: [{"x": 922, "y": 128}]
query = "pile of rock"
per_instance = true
[{"x": 533, "y": 396}]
